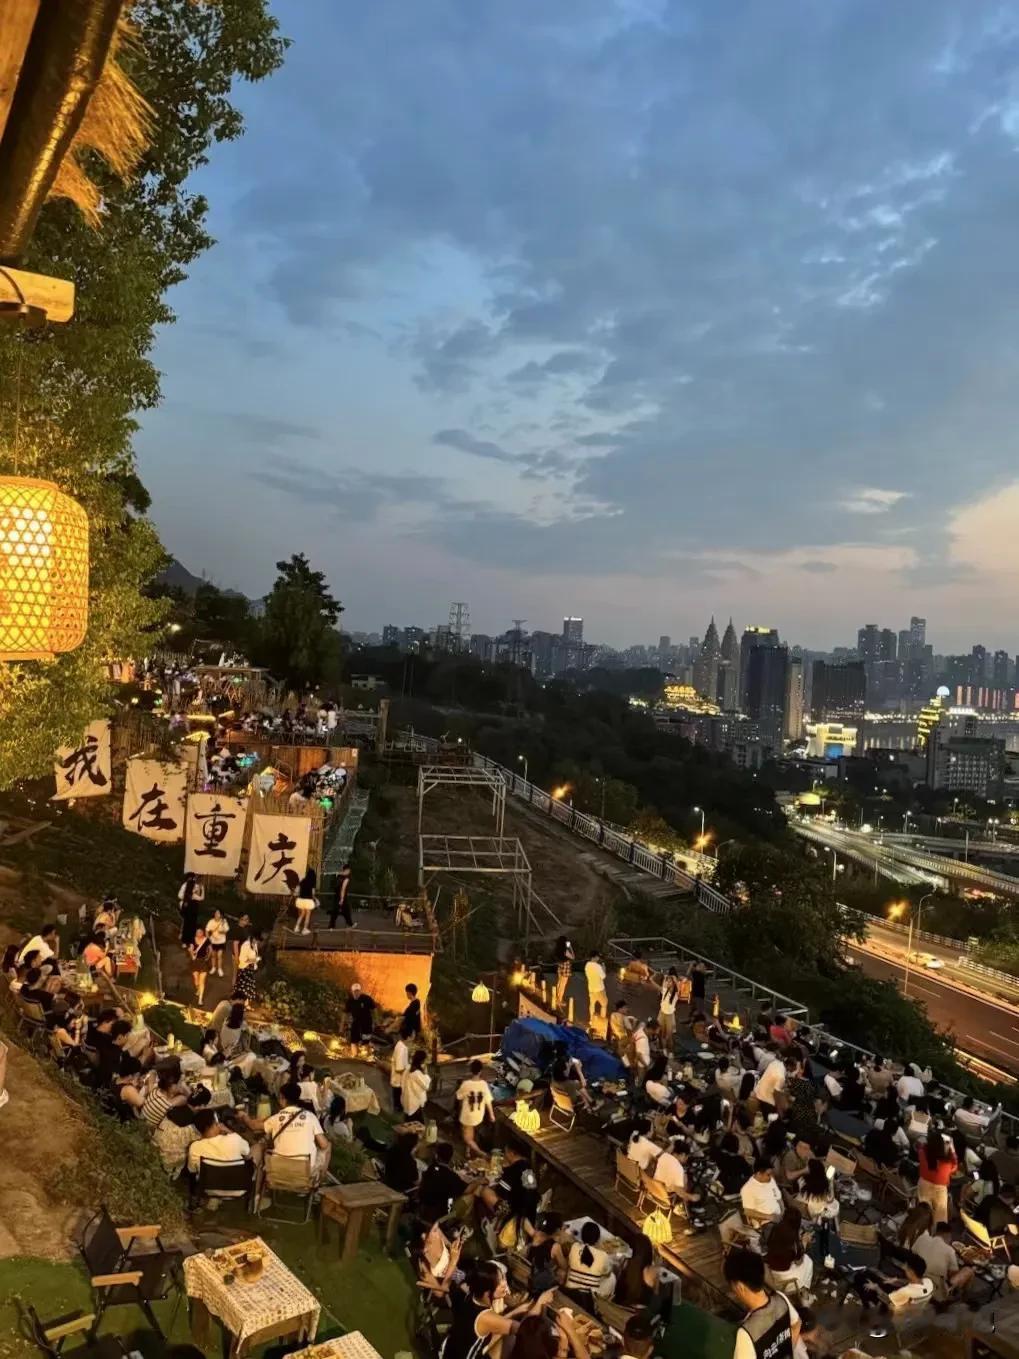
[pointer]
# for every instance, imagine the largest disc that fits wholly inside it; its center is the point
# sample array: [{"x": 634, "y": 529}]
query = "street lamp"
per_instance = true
[
  {"x": 905, "y": 823},
  {"x": 701, "y": 810},
  {"x": 602, "y": 782},
  {"x": 522, "y": 759},
  {"x": 914, "y": 916},
  {"x": 719, "y": 848},
  {"x": 834, "y": 861}
]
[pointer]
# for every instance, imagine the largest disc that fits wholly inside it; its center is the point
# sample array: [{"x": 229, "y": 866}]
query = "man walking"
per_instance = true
[{"x": 597, "y": 997}]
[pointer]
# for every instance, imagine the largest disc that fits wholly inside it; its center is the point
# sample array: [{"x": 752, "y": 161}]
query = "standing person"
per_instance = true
[
  {"x": 597, "y": 996},
  {"x": 190, "y": 896},
  {"x": 564, "y": 957},
  {"x": 216, "y": 931},
  {"x": 937, "y": 1166},
  {"x": 248, "y": 959},
  {"x": 341, "y": 906},
  {"x": 698, "y": 985},
  {"x": 771, "y": 1326},
  {"x": 398, "y": 1067},
  {"x": 412, "y": 1014},
  {"x": 474, "y": 1097},
  {"x": 239, "y": 931},
  {"x": 416, "y": 1084},
  {"x": 359, "y": 1006},
  {"x": 667, "y": 1009},
  {"x": 305, "y": 901},
  {"x": 201, "y": 960}
]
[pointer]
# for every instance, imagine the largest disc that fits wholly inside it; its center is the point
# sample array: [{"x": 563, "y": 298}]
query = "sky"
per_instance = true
[{"x": 640, "y": 310}]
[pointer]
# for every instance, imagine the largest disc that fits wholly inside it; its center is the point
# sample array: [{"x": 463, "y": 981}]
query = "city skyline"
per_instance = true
[{"x": 642, "y": 304}]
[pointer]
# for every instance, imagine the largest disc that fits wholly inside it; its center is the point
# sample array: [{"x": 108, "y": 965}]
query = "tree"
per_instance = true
[
  {"x": 298, "y": 638},
  {"x": 72, "y": 391}
]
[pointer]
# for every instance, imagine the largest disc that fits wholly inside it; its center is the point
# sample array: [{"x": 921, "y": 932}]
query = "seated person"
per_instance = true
[
  {"x": 44, "y": 946},
  {"x": 761, "y": 1197},
  {"x": 656, "y": 1085},
  {"x": 234, "y": 1035},
  {"x": 440, "y": 1186},
  {"x": 177, "y": 1131},
  {"x": 548, "y": 1250},
  {"x": 727, "y": 1077},
  {"x": 516, "y": 1189},
  {"x": 670, "y": 1172},
  {"x": 96, "y": 956},
  {"x": 293, "y": 1131},
  {"x": 786, "y": 1260},
  {"x": 779, "y": 1031},
  {"x": 110, "y": 1049},
  {"x": 437, "y": 1260},
  {"x": 337, "y": 1123},
  {"x": 640, "y": 1285},
  {"x": 215, "y": 1143},
  {"x": 636, "y": 971},
  {"x": 640, "y": 1147},
  {"x": 33, "y": 989},
  {"x": 733, "y": 1169},
  {"x": 887, "y": 1144},
  {"x": 793, "y": 1163},
  {"x": 67, "y": 1023},
  {"x": 997, "y": 1212},
  {"x": 567, "y": 1074},
  {"x": 589, "y": 1270},
  {"x": 879, "y": 1077},
  {"x": 969, "y": 1121},
  {"x": 400, "y": 1170},
  {"x": 161, "y": 1092},
  {"x": 907, "y": 1285},
  {"x": 941, "y": 1262}
]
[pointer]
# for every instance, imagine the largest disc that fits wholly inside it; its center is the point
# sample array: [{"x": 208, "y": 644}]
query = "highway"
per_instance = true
[{"x": 977, "y": 1025}]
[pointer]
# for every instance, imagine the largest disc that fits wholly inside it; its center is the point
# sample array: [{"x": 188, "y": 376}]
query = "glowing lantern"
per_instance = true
[
  {"x": 526, "y": 1117},
  {"x": 658, "y": 1228},
  {"x": 43, "y": 570},
  {"x": 481, "y": 994}
]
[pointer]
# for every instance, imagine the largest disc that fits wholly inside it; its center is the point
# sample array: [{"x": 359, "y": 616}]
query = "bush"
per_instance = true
[
  {"x": 303, "y": 1002},
  {"x": 349, "y": 1162}
]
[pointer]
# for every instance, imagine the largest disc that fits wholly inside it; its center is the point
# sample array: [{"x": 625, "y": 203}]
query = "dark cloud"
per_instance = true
[
  {"x": 467, "y": 443},
  {"x": 349, "y": 491},
  {"x": 818, "y": 568}
]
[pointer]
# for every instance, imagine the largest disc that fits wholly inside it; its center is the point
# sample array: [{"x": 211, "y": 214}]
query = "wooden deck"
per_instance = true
[{"x": 589, "y": 1162}]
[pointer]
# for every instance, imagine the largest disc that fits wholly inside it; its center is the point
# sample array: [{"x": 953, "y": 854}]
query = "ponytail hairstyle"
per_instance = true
[{"x": 590, "y": 1234}]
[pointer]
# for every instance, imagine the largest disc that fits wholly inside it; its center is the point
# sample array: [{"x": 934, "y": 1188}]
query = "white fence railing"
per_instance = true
[{"x": 961, "y": 945}]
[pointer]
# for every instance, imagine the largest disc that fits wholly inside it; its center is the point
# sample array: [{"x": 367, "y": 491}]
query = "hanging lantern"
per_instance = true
[
  {"x": 526, "y": 1117},
  {"x": 481, "y": 994},
  {"x": 658, "y": 1228},
  {"x": 43, "y": 570}
]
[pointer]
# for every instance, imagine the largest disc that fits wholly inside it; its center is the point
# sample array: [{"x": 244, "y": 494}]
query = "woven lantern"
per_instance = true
[
  {"x": 43, "y": 570},
  {"x": 481, "y": 994},
  {"x": 526, "y": 1117},
  {"x": 658, "y": 1228}
]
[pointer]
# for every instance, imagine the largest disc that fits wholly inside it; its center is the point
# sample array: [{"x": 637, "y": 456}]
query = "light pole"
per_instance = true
[
  {"x": 905, "y": 823},
  {"x": 719, "y": 848},
  {"x": 834, "y": 861},
  {"x": 602, "y": 782},
  {"x": 913, "y": 916},
  {"x": 701, "y": 810},
  {"x": 522, "y": 759}
]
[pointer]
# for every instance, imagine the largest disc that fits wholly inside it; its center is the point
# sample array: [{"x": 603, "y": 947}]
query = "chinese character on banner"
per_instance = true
[
  {"x": 215, "y": 834},
  {"x": 279, "y": 853},
  {"x": 154, "y": 799},
  {"x": 85, "y": 770}
]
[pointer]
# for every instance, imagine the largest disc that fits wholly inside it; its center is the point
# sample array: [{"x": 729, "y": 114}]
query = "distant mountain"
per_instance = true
[{"x": 179, "y": 577}]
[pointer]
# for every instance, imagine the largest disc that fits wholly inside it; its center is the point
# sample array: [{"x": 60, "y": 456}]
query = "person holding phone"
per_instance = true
[{"x": 477, "y": 1320}]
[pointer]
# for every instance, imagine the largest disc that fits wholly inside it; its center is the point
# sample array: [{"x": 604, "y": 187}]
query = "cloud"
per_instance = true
[
  {"x": 349, "y": 491},
  {"x": 467, "y": 443},
  {"x": 818, "y": 568},
  {"x": 872, "y": 500}
]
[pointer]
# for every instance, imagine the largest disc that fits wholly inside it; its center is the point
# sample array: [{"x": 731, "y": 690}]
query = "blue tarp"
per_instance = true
[{"x": 533, "y": 1038}]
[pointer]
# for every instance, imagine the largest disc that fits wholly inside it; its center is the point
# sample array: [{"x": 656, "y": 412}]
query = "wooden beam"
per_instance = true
[
  {"x": 55, "y": 296},
  {"x": 16, "y": 20}
]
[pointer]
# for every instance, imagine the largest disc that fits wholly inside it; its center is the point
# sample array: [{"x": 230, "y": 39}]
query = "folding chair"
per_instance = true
[
  {"x": 50, "y": 1337},
  {"x": 226, "y": 1180},
  {"x": 982, "y": 1237},
  {"x": 627, "y": 1177},
  {"x": 562, "y": 1109},
  {"x": 286, "y": 1175},
  {"x": 121, "y": 1275},
  {"x": 31, "y": 1020}
]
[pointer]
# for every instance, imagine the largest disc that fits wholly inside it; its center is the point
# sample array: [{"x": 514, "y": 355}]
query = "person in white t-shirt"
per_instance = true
[
  {"x": 398, "y": 1068},
  {"x": 597, "y": 996},
  {"x": 294, "y": 1131},
  {"x": 44, "y": 943},
  {"x": 215, "y": 1143},
  {"x": 217, "y": 930},
  {"x": 640, "y": 1147},
  {"x": 474, "y": 1098},
  {"x": 769, "y": 1083},
  {"x": 761, "y": 1197},
  {"x": 909, "y": 1086}
]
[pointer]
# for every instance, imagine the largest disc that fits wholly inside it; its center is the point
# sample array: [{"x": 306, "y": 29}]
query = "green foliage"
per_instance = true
[
  {"x": 348, "y": 1162},
  {"x": 1001, "y": 952},
  {"x": 297, "y": 639},
  {"x": 76, "y": 387},
  {"x": 165, "y": 1020},
  {"x": 788, "y": 909},
  {"x": 303, "y": 1002}
]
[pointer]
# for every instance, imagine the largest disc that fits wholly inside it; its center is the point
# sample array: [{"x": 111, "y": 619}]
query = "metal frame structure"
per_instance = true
[
  {"x": 488, "y": 854},
  {"x": 431, "y": 776}
]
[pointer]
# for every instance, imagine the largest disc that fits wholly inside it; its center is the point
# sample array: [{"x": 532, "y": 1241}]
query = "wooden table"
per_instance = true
[
  {"x": 353, "y": 1205},
  {"x": 274, "y": 1305},
  {"x": 353, "y": 1345}
]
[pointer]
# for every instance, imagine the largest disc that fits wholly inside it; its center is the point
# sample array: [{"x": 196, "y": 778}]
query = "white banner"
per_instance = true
[
  {"x": 279, "y": 853},
  {"x": 85, "y": 770},
  {"x": 193, "y": 753},
  {"x": 154, "y": 799},
  {"x": 215, "y": 834}
]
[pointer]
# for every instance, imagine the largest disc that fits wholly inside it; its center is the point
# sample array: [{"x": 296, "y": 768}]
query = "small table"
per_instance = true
[
  {"x": 350, "y": 1346},
  {"x": 353, "y": 1204},
  {"x": 273, "y": 1305}
]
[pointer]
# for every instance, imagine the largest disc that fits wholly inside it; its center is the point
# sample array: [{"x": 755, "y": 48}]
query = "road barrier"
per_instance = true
[{"x": 961, "y": 945}]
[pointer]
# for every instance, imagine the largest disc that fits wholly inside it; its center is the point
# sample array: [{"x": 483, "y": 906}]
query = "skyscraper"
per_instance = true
[
  {"x": 838, "y": 690},
  {"x": 705, "y": 670},
  {"x": 918, "y": 633},
  {"x": 730, "y": 643},
  {"x": 794, "y": 699},
  {"x": 767, "y": 671},
  {"x": 905, "y": 649},
  {"x": 999, "y": 673},
  {"x": 573, "y": 631},
  {"x": 887, "y": 645},
  {"x": 752, "y": 637},
  {"x": 868, "y": 643},
  {"x": 978, "y": 665}
]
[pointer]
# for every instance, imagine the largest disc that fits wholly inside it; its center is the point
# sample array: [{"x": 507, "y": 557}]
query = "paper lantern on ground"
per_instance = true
[
  {"x": 43, "y": 570},
  {"x": 526, "y": 1117},
  {"x": 658, "y": 1228}
]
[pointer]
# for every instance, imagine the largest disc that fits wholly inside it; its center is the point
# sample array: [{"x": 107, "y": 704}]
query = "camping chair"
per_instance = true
[
  {"x": 50, "y": 1336},
  {"x": 518, "y": 1270},
  {"x": 979, "y": 1234},
  {"x": 225, "y": 1180},
  {"x": 652, "y": 1189},
  {"x": 31, "y": 1019},
  {"x": 627, "y": 1177},
  {"x": 121, "y": 1275},
  {"x": 562, "y": 1108},
  {"x": 898, "y": 1189},
  {"x": 286, "y": 1175}
]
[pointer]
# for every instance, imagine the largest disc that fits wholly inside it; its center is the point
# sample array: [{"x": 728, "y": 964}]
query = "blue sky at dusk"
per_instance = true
[{"x": 627, "y": 308}]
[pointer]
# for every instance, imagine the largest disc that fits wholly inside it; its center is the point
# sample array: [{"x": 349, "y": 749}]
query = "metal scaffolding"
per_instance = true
[
  {"x": 432, "y": 776},
  {"x": 488, "y": 854}
]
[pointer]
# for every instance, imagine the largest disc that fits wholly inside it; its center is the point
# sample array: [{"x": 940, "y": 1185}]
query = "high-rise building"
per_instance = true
[
  {"x": 727, "y": 685},
  {"x": 730, "y": 643},
  {"x": 887, "y": 645},
  {"x": 392, "y": 635},
  {"x": 905, "y": 648},
  {"x": 999, "y": 670},
  {"x": 573, "y": 631},
  {"x": 482, "y": 646},
  {"x": 868, "y": 643},
  {"x": 767, "y": 671},
  {"x": 794, "y": 699},
  {"x": 838, "y": 690},
  {"x": 752, "y": 637},
  {"x": 918, "y": 633},
  {"x": 705, "y": 671}
]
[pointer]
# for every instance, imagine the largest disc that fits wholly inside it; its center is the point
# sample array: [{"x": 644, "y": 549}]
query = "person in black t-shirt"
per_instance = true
[
  {"x": 359, "y": 1006},
  {"x": 412, "y": 1015},
  {"x": 399, "y": 1168},
  {"x": 440, "y": 1187},
  {"x": 997, "y": 1212}
]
